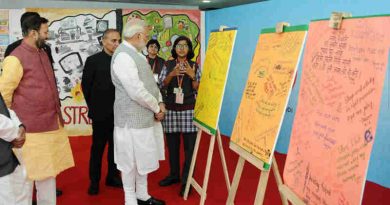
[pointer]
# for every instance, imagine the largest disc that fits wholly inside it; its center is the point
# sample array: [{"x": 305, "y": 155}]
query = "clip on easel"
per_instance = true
[
  {"x": 336, "y": 19},
  {"x": 222, "y": 28},
  {"x": 280, "y": 27}
]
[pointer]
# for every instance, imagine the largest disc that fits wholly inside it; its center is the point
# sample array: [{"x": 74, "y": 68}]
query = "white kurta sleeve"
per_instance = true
[
  {"x": 125, "y": 69},
  {"x": 14, "y": 118},
  {"x": 8, "y": 129},
  {"x": 160, "y": 99}
]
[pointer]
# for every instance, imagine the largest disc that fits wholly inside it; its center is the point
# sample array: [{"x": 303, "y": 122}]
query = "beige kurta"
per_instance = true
[{"x": 44, "y": 154}]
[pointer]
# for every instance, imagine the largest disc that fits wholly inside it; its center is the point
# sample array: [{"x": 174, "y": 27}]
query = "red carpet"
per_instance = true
[{"x": 74, "y": 182}]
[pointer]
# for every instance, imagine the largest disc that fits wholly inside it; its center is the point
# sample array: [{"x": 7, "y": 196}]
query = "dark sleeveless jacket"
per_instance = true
[
  {"x": 188, "y": 91},
  {"x": 8, "y": 160}
]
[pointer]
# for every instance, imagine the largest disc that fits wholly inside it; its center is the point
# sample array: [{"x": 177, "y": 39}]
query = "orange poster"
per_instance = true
[
  {"x": 337, "y": 112},
  {"x": 266, "y": 92}
]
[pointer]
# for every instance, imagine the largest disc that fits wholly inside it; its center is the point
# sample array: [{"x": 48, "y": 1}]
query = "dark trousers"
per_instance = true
[
  {"x": 102, "y": 133},
  {"x": 173, "y": 141}
]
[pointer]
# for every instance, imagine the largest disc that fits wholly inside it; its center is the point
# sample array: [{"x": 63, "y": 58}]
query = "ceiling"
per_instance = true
[{"x": 213, "y": 4}]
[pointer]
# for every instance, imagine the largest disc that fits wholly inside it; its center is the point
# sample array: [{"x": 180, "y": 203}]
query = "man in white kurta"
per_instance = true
[
  {"x": 13, "y": 186},
  {"x": 138, "y": 111}
]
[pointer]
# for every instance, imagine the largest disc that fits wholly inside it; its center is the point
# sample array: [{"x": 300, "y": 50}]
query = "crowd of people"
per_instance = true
[{"x": 133, "y": 100}]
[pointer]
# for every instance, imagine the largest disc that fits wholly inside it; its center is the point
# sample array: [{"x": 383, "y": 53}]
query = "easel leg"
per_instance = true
[
  {"x": 236, "y": 181},
  {"x": 222, "y": 154},
  {"x": 192, "y": 166},
  {"x": 207, "y": 173},
  {"x": 289, "y": 194},
  {"x": 279, "y": 180},
  {"x": 261, "y": 188}
]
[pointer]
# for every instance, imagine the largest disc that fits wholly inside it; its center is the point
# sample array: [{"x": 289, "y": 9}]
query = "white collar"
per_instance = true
[{"x": 130, "y": 46}]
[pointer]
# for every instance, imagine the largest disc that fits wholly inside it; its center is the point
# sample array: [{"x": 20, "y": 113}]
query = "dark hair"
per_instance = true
[
  {"x": 153, "y": 41},
  {"x": 31, "y": 23},
  {"x": 27, "y": 14},
  {"x": 190, "y": 54},
  {"x": 44, "y": 20},
  {"x": 108, "y": 31}
]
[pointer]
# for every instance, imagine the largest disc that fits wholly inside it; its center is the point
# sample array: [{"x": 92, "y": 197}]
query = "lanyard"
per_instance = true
[
  {"x": 179, "y": 78},
  {"x": 154, "y": 63}
]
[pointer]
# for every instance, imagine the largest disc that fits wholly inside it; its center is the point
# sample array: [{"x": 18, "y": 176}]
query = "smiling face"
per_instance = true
[
  {"x": 42, "y": 35},
  {"x": 152, "y": 50},
  {"x": 181, "y": 48}
]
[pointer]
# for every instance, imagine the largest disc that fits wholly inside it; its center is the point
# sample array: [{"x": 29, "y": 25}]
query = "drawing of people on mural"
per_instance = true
[{"x": 166, "y": 27}]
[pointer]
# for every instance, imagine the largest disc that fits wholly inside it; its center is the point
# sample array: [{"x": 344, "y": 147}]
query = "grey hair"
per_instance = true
[{"x": 133, "y": 27}]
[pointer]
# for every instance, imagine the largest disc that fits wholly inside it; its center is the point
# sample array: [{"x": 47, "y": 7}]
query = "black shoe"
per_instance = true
[
  {"x": 93, "y": 189},
  {"x": 58, "y": 192},
  {"x": 114, "y": 182},
  {"x": 183, "y": 189},
  {"x": 151, "y": 201},
  {"x": 169, "y": 180},
  {"x": 34, "y": 202}
]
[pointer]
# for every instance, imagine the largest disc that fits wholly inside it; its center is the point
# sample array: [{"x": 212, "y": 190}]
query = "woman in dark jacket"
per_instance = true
[
  {"x": 155, "y": 61},
  {"x": 180, "y": 77}
]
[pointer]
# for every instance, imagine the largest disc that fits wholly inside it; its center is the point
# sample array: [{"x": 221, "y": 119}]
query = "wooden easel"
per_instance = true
[
  {"x": 190, "y": 180},
  {"x": 288, "y": 194},
  {"x": 260, "y": 193},
  {"x": 244, "y": 155},
  {"x": 202, "y": 190},
  {"x": 285, "y": 192}
]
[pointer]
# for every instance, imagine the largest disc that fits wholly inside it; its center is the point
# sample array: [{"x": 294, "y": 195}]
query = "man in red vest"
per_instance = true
[
  {"x": 17, "y": 43},
  {"x": 29, "y": 88}
]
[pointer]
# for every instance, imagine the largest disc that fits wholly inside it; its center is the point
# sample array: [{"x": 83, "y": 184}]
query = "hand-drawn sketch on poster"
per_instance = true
[{"x": 267, "y": 91}]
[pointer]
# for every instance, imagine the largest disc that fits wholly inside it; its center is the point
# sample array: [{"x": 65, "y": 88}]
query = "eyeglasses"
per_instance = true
[{"x": 181, "y": 46}]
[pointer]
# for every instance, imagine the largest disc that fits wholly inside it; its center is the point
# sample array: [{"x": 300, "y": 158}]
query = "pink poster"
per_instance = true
[{"x": 337, "y": 112}]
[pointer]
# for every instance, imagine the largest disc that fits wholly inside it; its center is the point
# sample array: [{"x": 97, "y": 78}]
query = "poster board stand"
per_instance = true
[
  {"x": 285, "y": 192},
  {"x": 207, "y": 109},
  {"x": 237, "y": 146},
  {"x": 288, "y": 194},
  {"x": 202, "y": 190},
  {"x": 261, "y": 188}
]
